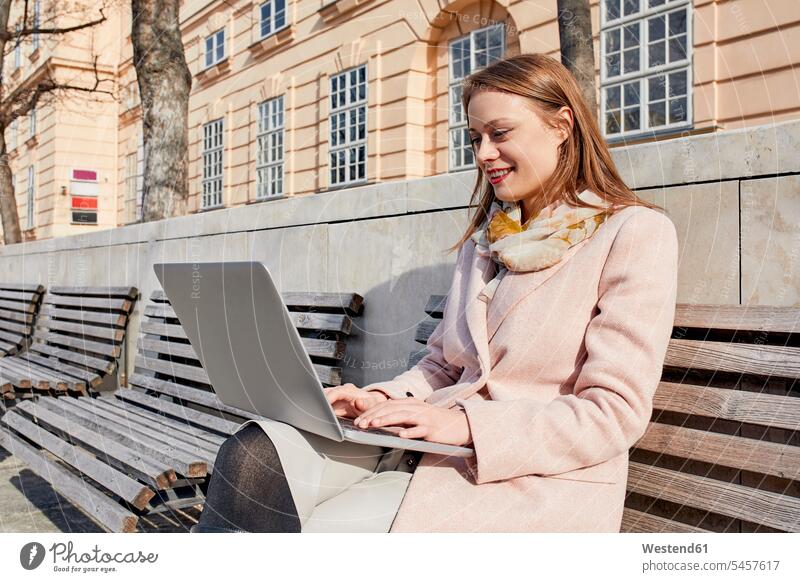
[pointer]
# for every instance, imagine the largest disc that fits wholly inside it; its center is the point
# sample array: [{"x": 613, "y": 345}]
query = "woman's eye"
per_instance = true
[{"x": 497, "y": 134}]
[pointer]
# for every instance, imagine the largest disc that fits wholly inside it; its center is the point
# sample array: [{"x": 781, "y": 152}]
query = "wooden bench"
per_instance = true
[
  {"x": 78, "y": 342},
  {"x": 722, "y": 450},
  {"x": 150, "y": 448},
  {"x": 19, "y": 304}
]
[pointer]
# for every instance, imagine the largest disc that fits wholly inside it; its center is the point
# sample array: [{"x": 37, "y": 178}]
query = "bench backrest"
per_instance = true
[
  {"x": 722, "y": 450},
  {"x": 167, "y": 364},
  {"x": 83, "y": 328},
  {"x": 19, "y": 304}
]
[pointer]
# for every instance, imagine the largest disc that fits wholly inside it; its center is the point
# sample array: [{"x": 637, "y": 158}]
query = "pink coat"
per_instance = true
[{"x": 556, "y": 380}]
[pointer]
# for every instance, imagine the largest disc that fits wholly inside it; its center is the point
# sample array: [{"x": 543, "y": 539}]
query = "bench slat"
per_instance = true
[
  {"x": 96, "y": 364},
  {"x": 89, "y": 378},
  {"x": 89, "y": 331},
  {"x": 737, "y": 501},
  {"x": 34, "y": 287},
  {"x": 99, "y": 348},
  {"x": 23, "y": 317},
  {"x": 180, "y": 412},
  {"x": 736, "y": 405},
  {"x": 18, "y": 307},
  {"x": 99, "y": 317},
  {"x": 96, "y": 505},
  {"x": 721, "y": 449},
  {"x": 212, "y": 439},
  {"x": 738, "y": 317},
  {"x": 158, "y": 450},
  {"x": 144, "y": 428},
  {"x": 129, "y": 292},
  {"x": 152, "y": 472},
  {"x": 130, "y": 490},
  {"x": 728, "y": 357},
  {"x": 352, "y": 302},
  {"x": 331, "y": 349},
  {"x": 640, "y": 522},
  {"x": 188, "y": 394},
  {"x": 82, "y": 303},
  {"x": 24, "y": 366}
]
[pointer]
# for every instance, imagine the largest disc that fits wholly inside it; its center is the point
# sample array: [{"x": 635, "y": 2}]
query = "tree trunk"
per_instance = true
[
  {"x": 8, "y": 202},
  {"x": 577, "y": 51},
  {"x": 164, "y": 84}
]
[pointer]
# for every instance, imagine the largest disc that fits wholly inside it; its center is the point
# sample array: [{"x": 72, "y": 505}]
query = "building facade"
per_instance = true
[{"x": 294, "y": 98}]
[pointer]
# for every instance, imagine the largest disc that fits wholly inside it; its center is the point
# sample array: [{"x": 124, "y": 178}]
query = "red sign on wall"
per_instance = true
[{"x": 85, "y": 175}]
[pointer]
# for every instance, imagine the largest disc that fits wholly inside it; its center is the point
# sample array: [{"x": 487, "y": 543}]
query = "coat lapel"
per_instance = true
[{"x": 516, "y": 286}]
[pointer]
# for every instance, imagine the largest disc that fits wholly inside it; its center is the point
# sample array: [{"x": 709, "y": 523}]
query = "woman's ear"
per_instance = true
[{"x": 567, "y": 122}]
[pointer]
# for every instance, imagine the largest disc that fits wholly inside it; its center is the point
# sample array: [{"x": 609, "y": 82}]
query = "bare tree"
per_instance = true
[
  {"x": 164, "y": 85},
  {"x": 577, "y": 50},
  {"x": 43, "y": 86}
]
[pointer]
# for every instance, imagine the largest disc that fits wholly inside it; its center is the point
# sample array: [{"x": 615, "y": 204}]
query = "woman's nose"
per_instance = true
[{"x": 486, "y": 151}]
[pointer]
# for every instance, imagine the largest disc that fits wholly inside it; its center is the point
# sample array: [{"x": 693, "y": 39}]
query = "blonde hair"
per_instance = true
[{"x": 584, "y": 161}]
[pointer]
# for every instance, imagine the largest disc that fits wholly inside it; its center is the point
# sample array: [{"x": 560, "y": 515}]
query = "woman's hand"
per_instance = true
[
  {"x": 431, "y": 423},
  {"x": 348, "y": 400}
]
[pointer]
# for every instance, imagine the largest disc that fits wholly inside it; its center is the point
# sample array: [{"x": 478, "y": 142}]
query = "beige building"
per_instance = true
[{"x": 300, "y": 97}]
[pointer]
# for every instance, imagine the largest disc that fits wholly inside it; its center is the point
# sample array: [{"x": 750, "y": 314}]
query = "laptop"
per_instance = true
[{"x": 247, "y": 342}]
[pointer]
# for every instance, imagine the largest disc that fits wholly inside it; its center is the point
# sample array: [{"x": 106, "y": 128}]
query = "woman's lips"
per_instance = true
[{"x": 500, "y": 178}]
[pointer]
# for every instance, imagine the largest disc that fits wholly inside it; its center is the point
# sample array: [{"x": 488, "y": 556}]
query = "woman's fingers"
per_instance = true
[
  {"x": 392, "y": 417},
  {"x": 415, "y": 432}
]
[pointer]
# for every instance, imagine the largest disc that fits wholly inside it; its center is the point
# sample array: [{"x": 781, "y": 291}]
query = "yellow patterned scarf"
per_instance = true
[{"x": 542, "y": 241}]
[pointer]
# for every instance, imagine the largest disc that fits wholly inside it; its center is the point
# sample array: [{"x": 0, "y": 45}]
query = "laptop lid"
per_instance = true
[{"x": 247, "y": 338}]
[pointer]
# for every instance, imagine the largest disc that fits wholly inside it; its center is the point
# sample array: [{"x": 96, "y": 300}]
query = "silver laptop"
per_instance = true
[{"x": 246, "y": 339}]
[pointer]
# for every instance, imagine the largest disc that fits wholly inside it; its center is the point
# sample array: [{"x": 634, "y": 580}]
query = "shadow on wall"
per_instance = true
[{"x": 383, "y": 337}]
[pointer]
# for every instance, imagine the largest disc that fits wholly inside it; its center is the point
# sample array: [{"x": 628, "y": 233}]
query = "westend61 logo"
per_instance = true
[{"x": 65, "y": 559}]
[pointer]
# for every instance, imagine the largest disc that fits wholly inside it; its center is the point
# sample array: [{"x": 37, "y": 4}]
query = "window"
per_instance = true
[
  {"x": 17, "y": 48},
  {"x": 348, "y": 119},
  {"x": 470, "y": 53},
  {"x": 36, "y": 21},
  {"x": 273, "y": 16},
  {"x": 131, "y": 96},
  {"x": 14, "y": 131},
  {"x": 269, "y": 155},
  {"x": 215, "y": 48},
  {"x": 32, "y": 122},
  {"x": 645, "y": 66},
  {"x": 212, "y": 164},
  {"x": 31, "y": 195},
  {"x": 131, "y": 188}
]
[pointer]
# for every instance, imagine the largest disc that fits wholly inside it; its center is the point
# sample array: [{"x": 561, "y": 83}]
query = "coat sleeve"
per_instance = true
[
  {"x": 611, "y": 402},
  {"x": 433, "y": 371}
]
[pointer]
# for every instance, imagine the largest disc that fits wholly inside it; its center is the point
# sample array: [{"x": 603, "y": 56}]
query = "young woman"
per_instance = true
[{"x": 546, "y": 360}]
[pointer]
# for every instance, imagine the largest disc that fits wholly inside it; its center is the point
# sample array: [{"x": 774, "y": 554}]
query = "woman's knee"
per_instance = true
[{"x": 249, "y": 447}]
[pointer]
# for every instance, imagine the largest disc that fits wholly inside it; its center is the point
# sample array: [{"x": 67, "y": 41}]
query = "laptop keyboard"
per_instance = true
[{"x": 348, "y": 423}]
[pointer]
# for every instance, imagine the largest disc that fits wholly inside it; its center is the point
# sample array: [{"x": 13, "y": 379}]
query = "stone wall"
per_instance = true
[{"x": 734, "y": 198}]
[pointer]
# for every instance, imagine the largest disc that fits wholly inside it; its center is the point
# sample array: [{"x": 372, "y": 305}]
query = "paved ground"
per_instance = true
[{"x": 29, "y": 504}]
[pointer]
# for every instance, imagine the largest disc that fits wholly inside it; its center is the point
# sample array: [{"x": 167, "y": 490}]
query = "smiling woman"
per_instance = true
[{"x": 545, "y": 362}]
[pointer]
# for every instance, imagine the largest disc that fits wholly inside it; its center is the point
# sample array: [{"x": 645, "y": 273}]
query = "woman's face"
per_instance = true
[{"x": 506, "y": 132}]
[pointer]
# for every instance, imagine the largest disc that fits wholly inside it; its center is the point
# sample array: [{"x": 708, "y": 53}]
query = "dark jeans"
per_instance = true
[{"x": 248, "y": 491}]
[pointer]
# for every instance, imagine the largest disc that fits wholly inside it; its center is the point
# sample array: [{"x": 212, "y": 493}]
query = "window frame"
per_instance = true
[
  {"x": 17, "y": 47},
  {"x": 456, "y": 82},
  {"x": 32, "y": 122},
  {"x": 36, "y": 23},
  {"x": 264, "y": 133},
  {"x": 349, "y": 148},
  {"x": 645, "y": 72},
  {"x": 30, "y": 211},
  {"x": 214, "y": 37},
  {"x": 209, "y": 164},
  {"x": 272, "y": 28}
]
